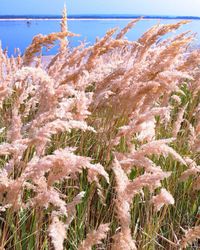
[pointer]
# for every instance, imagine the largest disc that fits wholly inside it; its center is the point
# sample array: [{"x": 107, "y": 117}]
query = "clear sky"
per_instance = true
[{"x": 146, "y": 7}]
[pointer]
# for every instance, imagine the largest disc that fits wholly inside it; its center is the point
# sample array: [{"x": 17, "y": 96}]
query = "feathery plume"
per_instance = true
[
  {"x": 161, "y": 199},
  {"x": 39, "y": 41},
  {"x": 94, "y": 237},
  {"x": 57, "y": 232},
  {"x": 190, "y": 236}
]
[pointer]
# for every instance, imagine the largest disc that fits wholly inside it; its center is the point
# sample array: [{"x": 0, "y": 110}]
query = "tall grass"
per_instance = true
[{"x": 100, "y": 146}]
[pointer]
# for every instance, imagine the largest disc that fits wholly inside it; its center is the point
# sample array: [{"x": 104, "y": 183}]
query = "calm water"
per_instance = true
[{"x": 18, "y": 34}]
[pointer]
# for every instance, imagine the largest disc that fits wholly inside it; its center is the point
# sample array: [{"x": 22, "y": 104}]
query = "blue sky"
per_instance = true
[{"x": 161, "y": 7}]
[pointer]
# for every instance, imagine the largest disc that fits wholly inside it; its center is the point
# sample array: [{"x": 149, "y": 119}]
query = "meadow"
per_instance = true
[{"x": 100, "y": 146}]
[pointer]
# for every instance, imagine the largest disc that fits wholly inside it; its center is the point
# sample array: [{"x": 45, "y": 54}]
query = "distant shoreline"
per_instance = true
[
  {"x": 91, "y": 17},
  {"x": 83, "y": 19}
]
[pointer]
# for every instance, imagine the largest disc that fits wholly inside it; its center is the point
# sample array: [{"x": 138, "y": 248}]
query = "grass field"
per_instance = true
[{"x": 100, "y": 148}]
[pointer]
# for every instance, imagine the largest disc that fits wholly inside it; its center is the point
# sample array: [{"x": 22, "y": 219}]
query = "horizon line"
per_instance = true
[{"x": 99, "y": 16}]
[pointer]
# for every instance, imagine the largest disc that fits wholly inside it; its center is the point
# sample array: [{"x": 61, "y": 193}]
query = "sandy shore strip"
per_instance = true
[
  {"x": 59, "y": 19},
  {"x": 90, "y": 19}
]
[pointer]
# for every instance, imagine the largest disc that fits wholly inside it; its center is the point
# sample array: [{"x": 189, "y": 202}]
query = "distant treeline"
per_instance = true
[{"x": 93, "y": 16}]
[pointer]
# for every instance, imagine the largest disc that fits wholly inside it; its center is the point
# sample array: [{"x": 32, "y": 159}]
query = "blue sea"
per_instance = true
[{"x": 18, "y": 32}]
